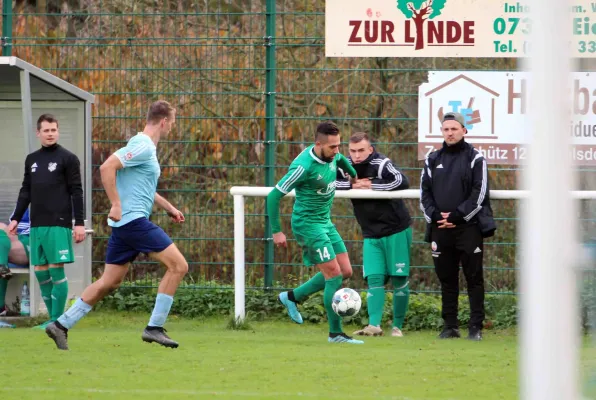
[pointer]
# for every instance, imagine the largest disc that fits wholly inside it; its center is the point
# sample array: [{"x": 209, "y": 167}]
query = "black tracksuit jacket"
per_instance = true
[
  {"x": 378, "y": 218},
  {"x": 455, "y": 180},
  {"x": 52, "y": 185}
]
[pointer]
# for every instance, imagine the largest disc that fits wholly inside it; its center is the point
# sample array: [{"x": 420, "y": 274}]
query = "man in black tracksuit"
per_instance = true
[
  {"x": 455, "y": 200},
  {"x": 387, "y": 233}
]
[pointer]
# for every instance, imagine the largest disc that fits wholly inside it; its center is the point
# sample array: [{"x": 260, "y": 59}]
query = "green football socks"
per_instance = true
[
  {"x": 59, "y": 292},
  {"x": 401, "y": 298},
  {"x": 4, "y": 250},
  {"x": 3, "y": 286},
  {"x": 313, "y": 285},
  {"x": 375, "y": 299},
  {"x": 332, "y": 285},
  {"x": 4, "y": 247},
  {"x": 45, "y": 286}
]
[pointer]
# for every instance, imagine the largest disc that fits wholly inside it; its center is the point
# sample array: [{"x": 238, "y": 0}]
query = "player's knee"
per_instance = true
[
  {"x": 375, "y": 281},
  {"x": 183, "y": 268},
  {"x": 179, "y": 267},
  {"x": 347, "y": 273},
  {"x": 333, "y": 269},
  {"x": 112, "y": 283},
  {"x": 401, "y": 284}
]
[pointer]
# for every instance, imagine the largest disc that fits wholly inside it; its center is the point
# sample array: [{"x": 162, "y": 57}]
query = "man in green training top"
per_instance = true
[{"x": 313, "y": 175}]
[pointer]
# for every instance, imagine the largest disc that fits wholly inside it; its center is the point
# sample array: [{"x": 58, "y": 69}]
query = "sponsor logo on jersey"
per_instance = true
[{"x": 330, "y": 189}]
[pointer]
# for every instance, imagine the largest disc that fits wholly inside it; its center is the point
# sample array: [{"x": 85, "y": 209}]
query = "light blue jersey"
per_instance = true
[{"x": 137, "y": 180}]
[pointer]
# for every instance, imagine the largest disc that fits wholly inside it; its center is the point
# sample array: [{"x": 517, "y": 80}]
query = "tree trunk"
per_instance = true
[{"x": 419, "y": 23}]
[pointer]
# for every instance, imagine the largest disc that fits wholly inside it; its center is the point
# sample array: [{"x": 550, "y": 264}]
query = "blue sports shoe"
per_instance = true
[
  {"x": 342, "y": 338},
  {"x": 42, "y": 326},
  {"x": 291, "y": 307}
]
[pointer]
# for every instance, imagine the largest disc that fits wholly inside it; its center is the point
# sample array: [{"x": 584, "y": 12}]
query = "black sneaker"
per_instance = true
[
  {"x": 450, "y": 333},
  {"x": 58, "y": 334},
  {"x": 158, "y": 335},
  {"x": 5, "y": 272},
  {"x": 475, "y": 334}
]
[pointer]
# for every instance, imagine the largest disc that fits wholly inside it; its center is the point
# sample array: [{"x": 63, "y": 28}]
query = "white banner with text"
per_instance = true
[
  {"x": 495, "y": 108},
  {"x": 446, "y": 28}
]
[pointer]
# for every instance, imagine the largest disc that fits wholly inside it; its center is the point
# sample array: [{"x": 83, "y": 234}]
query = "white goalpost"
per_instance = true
[
  {"x": 240, "y": 192},
  {"x": 549, "y": 331}
]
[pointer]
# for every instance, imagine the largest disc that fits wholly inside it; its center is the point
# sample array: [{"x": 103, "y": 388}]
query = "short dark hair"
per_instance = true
[
  {"x": 46, "y": 118},
  {"x": 159, "y": 110},
  {"x": 358, "y": 137},
  {"x": 326, "y": 128}
]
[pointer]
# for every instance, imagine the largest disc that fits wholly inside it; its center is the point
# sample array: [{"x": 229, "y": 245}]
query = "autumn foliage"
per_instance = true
[{"x": 209, "y": 59}]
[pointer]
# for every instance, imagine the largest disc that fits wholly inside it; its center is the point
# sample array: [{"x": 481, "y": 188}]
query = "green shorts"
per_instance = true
[
  {"x": 320, "y": 242},
  {"x": 51, "y": 245},
  {"x": 389, "y": 256},
  {"x": 24, "y": 239}
]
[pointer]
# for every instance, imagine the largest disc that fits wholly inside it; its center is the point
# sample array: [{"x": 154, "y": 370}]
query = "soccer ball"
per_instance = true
[{"x": 346, "y": 302}]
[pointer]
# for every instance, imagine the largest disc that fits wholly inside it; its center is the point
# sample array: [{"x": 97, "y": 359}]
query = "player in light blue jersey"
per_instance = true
[{"x": 130, "y": 177}]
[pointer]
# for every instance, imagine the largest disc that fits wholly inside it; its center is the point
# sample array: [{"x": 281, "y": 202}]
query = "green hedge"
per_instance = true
[{"x": 424, "y": 310}]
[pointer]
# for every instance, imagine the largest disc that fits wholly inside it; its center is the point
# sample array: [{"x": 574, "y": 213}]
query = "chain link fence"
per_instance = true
[{"x": 250, "y": 81}]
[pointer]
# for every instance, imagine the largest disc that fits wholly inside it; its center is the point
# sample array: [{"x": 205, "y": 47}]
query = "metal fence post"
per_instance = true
[
  {"x": 239, "y": 260},
  {"x": 6, "y": 39},
  {"x": 269, "y": 130}
]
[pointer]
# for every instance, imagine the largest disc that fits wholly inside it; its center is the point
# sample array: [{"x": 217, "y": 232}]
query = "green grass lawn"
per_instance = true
[{"x": 273, "y": 360}]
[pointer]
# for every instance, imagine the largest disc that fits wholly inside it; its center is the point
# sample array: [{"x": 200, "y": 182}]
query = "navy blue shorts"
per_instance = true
[{"x": 138, "y": 236}]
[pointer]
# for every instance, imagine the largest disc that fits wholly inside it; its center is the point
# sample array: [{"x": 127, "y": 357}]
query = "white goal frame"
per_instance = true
[{"x": 240, "y": 192}]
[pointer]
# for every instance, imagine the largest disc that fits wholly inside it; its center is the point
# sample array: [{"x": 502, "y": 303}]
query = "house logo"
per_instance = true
[{"x": 475, "y": 101}]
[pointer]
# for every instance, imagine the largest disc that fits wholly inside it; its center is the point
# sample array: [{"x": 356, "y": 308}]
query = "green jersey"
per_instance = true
[{"x": 314, "y": 182}]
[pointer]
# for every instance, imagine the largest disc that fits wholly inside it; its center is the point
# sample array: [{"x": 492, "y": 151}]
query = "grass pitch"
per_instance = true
[{"x": 273, "y": 360}]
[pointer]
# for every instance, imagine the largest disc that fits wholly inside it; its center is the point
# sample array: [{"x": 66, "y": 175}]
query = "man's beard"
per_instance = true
[{"x": 327, "y": 159}]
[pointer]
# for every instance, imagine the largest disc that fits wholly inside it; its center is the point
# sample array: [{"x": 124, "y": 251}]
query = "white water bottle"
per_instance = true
[{"x": 25, "y": 305}]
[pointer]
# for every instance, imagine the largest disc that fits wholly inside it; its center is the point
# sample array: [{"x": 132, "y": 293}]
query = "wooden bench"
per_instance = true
[{"x": 18, "y": 269}]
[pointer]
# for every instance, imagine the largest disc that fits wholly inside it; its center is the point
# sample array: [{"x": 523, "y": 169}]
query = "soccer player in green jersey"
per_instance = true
[{"x": 313, "y": 175}]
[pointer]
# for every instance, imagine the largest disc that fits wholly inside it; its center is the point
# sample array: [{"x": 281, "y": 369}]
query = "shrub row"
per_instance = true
[{"x": 424, "y": 311}]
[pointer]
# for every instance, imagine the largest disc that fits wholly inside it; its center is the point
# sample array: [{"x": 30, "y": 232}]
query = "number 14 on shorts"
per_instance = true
[{"x": 324, "y": 254}]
